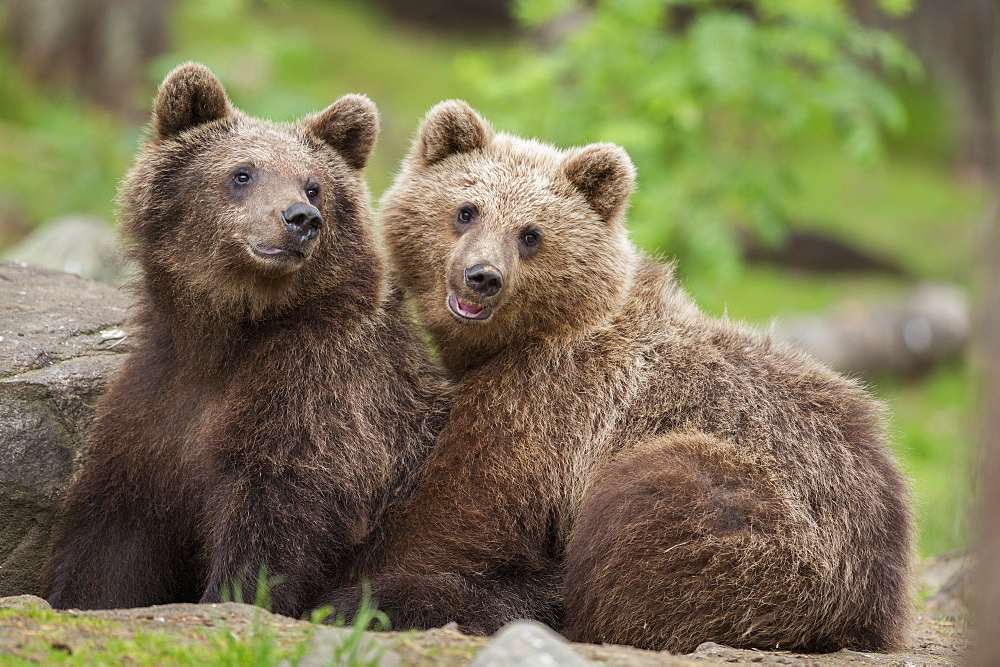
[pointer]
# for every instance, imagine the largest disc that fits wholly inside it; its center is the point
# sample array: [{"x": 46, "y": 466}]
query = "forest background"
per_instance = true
[{"x": 796, "y": 157}]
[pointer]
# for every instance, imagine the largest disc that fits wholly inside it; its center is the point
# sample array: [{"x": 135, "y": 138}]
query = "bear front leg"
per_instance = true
[
  {"x": 269, "y": 543},
  {"x": 118, "y": 550},
  {"x": 479, "y": 605},
  {"x": 477, "y": 545}
]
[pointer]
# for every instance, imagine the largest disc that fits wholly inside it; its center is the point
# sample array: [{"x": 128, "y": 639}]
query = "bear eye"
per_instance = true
[
  {"x": 464, "y": 216},
  {"x": 466, "y": 213},
  {"x": 531, "y": 240},
  {"x": 312, "y": 192},
  {"x": 242, "y": 177}
]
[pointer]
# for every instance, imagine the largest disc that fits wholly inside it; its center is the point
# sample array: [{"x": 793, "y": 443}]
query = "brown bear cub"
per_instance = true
[
  {"x": 277, "y": 404},
  {"x": 617, "y": 463}
]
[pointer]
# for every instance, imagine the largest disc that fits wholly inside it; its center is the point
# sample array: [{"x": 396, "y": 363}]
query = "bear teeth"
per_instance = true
[{"x": 467, "y": 309}]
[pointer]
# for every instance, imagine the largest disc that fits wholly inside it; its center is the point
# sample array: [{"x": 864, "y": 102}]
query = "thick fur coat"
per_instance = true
[
  {"x": 617, "y": 463},
  {"x": 277, "y": 405}
]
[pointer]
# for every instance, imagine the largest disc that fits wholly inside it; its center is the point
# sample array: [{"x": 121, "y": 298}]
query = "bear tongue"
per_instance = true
[{"x": 468, "y": 309}]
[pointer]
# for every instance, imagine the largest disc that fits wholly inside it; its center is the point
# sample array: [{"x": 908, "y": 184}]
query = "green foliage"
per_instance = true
[
  {"x": 709, "y": 99},
  {"x": 355, "y": 648},
  {"x": 262, "y": 591},
  {"x": 57, "y": 155}
]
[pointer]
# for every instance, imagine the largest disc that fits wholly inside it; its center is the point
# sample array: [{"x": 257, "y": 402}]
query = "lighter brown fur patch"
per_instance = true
[{"x": 617, "y": 463}]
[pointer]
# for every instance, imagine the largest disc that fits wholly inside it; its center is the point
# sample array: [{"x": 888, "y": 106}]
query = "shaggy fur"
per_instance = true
[
  {"x": 617, "y": 462},
  {"x": 277, "y": 404}
]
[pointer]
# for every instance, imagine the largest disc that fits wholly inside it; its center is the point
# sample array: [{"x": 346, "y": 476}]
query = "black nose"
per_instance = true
[
  {"x": 483, "y": 279},
  {"x": 303, "y": 220}
]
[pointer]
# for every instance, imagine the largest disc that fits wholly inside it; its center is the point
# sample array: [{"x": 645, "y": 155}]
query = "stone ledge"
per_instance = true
[{"x": 61, "y": 338}]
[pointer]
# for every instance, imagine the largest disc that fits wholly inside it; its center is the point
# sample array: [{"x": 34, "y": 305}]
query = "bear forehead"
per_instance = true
[
  {"x": 266, "y": 148},
  {"x": 519, "y": 172},
  {"x": 526, "y": 159}
]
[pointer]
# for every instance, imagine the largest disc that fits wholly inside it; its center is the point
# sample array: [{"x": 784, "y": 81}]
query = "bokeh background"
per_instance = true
[{"x": 812, "y": 164}]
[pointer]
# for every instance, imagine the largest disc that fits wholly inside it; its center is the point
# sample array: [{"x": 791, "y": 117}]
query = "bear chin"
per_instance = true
[{"x": 467, "y": 312}]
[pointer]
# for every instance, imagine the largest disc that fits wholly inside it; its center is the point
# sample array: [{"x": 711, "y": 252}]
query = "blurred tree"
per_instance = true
[
  {"x": 710, "y": 97},
  {"x": 986, "y": 640},
  {"x": 468, "y": 16},
  {"x": 986, "y": 647},
  {"x": 98, "y": 48},
  {"x": 958, "y": 43}
]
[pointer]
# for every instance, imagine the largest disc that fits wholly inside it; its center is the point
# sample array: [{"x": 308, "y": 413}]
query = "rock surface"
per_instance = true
[
  {"x": 61, "y": 338},
  {"x": 529, "y": 644},
  {"x": 84, "y": 245}
]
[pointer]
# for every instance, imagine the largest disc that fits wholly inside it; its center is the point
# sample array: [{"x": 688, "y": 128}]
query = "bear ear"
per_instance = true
[
  {"x": 450, "y": 127},
  {"x": 189, "y": 96},
  {"x": 349, "y": 126},
  {"x": 604, "y": 174}
]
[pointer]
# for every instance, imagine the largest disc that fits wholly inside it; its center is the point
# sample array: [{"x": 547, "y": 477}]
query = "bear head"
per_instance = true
[
  {"x": 248, "y": 217},
  {"x": 499, "y": 238}
]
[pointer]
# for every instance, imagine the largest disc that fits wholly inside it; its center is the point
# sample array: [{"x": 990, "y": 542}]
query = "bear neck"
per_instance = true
[{"x": 207, "y": 335}]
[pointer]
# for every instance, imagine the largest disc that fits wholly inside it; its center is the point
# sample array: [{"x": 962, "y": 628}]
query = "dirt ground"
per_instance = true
[{"x": 29, "y": 633}]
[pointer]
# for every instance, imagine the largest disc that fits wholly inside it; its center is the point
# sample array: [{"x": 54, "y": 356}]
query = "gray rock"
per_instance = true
[
  {"x": 23, "y": 602},
  {"x": 915, "y": 331},
  {"x": 528, "y": 644},
  {"x": 84, "y": 245},
  {"x": 341, "y": 646},
  {"x": 61, "y": 337}
]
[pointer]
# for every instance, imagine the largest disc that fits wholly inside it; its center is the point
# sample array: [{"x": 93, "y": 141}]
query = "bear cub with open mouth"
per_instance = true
[{"x": 617, "y": 463}]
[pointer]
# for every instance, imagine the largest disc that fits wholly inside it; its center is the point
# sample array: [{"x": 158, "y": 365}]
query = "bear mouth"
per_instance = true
[
  {"x": 276, "y": 255},
  {"x": 467, "y": 312}
]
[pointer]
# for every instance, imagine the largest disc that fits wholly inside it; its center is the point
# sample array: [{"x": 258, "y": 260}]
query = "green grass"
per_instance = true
[
  {"x": 918, "y": 212},
  {"x": 47, "y": 637},
  {"x": 60, "y": 638},
  {"x": 935, "y": 427}
]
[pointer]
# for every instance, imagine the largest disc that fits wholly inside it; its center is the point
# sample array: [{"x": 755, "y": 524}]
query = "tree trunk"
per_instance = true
[
  {"x": 906, "y": 337},
  {"x": 957, "y": 42},
  {"x": 986, "y": 640},
  {"x": 97, "y": 48}
]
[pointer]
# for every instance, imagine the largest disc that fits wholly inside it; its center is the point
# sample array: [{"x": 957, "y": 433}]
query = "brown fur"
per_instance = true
[
  {"x": 277, "y": 405},
  {"x": 665, "y": 477}
]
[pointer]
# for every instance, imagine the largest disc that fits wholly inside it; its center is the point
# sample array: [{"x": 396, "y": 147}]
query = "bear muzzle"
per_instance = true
[
  {"x": 483, "y": 283},
  {"x": 287, "y": 250}
]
